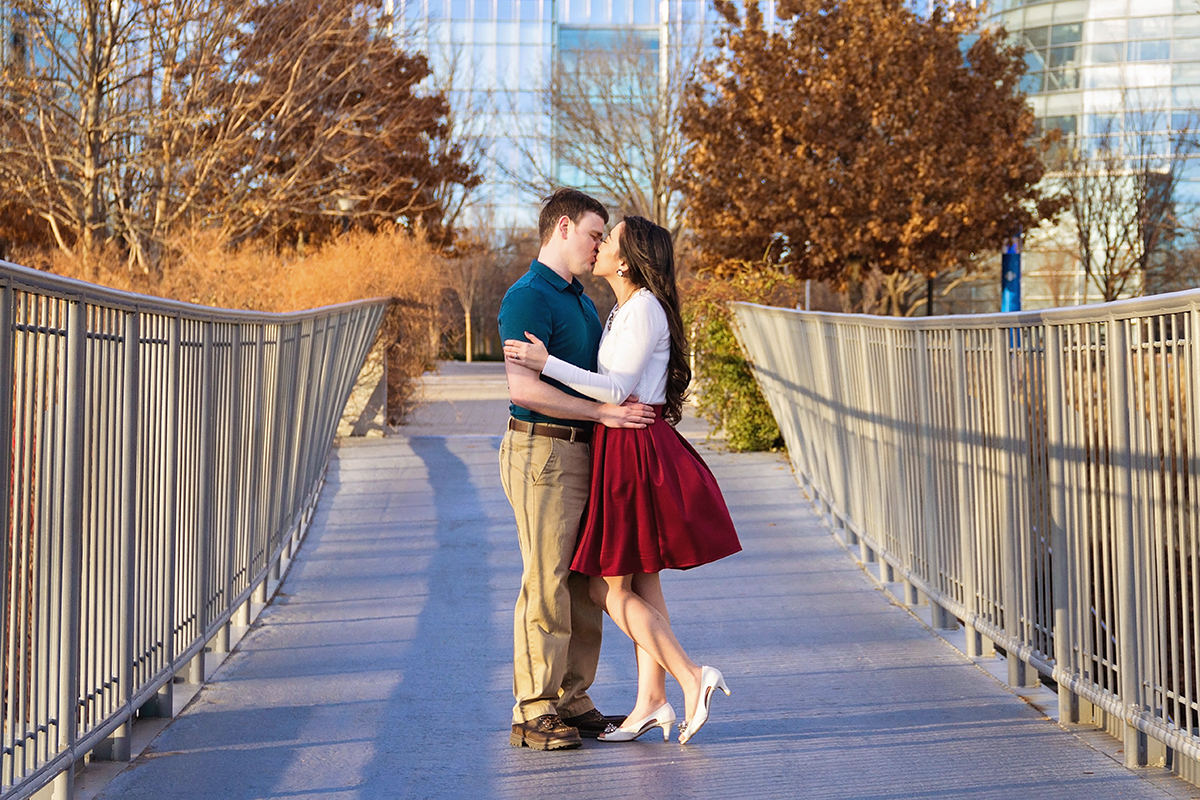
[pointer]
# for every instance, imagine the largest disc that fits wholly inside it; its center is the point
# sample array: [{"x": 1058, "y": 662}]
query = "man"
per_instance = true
[{"x": 545, "y": 466}]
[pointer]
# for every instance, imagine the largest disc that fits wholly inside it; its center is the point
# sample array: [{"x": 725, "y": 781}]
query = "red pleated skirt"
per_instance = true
[{"x": 654, "y": 504}]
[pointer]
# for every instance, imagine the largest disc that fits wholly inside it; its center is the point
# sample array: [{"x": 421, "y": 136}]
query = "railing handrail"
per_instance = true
[
  {"x": 1096, "y": 312},
  {"x": 61, "y": 286}
]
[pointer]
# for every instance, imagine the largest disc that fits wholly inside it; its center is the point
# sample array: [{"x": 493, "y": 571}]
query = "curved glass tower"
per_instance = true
[{"x": 1106, "y": 71}]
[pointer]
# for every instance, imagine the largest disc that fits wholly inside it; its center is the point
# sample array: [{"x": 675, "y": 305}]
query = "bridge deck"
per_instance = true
[{"x": 383, "y": 671}]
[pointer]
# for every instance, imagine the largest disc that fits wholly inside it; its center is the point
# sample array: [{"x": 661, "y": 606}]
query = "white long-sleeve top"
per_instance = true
[{"x": 634, "y": 351}]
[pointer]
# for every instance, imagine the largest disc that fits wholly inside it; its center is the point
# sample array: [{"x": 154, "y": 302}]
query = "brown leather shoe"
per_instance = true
[
  {"x": 592, "y": 723},
  {"x": 547, "y": 732}
]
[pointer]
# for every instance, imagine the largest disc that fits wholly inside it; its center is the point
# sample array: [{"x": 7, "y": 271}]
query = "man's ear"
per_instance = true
[{"x": 564, "y": 226}]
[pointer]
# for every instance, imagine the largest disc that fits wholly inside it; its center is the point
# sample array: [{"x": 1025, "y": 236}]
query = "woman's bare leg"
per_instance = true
[
  {"x": 643, "y": 620},
  {"x": 648, "y": 586}
]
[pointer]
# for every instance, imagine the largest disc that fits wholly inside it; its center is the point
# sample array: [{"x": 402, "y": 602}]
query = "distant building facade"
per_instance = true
[
  {"x": 1111, "y": 70},
  {"x": 501, "y": 55}
]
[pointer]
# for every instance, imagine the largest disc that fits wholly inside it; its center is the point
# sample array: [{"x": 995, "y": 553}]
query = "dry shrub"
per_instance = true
[
  {"x": 389, "y": 263},
  {"x": 727, "y": 394},
  {"x": 354, "y": 266}
]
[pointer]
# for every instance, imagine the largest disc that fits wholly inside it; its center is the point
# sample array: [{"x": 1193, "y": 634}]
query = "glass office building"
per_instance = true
[
  {"x": 1105, "y": 69},
  {"x": 496, "y": 59}
]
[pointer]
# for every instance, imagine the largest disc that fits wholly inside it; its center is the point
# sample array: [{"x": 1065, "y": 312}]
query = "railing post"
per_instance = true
[
  {"x": 929, "y": 498},
  {"x": 7, "y": 579},
  {"x": 838, "y": 399},
  {"x": 319, "y": 404},
  {"x": 163, "y": 704},
  {"x": 1129, "y": 672},
  {"x": 1061, "y": 565},
  {"x": 117, "y": 746},
  {"x": 909, "y": 558},
  {"x": 871, "y": 412},
  {"x": 196, "y": 671},
  {"x": 295, "y": 433},
  {"x": 7, "y": 344},
  {"x": 1007, "y": 518},
  {"x": 75, "y": 407},
  {"x": 805, "y": 376},
  {"x": 256, "y": 455},
  {"x": 235, "y": 473},
  {"x": 966, "y": 493}
]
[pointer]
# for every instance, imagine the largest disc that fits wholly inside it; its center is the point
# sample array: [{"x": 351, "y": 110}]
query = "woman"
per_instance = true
[{"x": 653, "y": 504}]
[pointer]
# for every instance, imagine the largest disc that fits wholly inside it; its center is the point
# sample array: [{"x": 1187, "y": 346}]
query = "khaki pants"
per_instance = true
[{"x": 556, "y": 631}]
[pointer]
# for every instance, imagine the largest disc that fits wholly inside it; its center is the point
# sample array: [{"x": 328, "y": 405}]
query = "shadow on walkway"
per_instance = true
[{"x": 386, "y": 670}]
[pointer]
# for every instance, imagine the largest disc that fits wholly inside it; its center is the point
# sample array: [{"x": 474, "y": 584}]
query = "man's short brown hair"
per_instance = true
[{"x": 570, "y": 203}]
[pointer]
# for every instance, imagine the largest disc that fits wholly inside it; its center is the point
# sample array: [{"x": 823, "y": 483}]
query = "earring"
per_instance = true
[{"x": 620, "y": 273}]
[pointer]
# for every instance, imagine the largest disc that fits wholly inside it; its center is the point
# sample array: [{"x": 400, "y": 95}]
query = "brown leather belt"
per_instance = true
[{"x": 567, "y": 432}]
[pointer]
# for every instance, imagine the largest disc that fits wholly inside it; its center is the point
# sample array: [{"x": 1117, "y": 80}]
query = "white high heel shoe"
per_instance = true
[
  {"x": 662, "y": 717},
  {"x": 710, "y": 679}
]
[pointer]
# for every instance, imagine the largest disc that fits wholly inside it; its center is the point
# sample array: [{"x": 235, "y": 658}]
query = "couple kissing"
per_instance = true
[{"x": 605, "y": 491}]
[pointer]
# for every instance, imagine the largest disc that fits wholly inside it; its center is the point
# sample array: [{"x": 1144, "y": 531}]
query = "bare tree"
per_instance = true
[
  {"x": 1121, "y": 188},
  {"x": 901, "y": 294},
  {"x": 467, "y": 120},
  {"x": 615, "y": 108},
  {"x": 1059, "y": 268},
  {"x": 66, "y": 106},
  {"x": 466, "y": 272},
  {"x": 131, "y": 119}
]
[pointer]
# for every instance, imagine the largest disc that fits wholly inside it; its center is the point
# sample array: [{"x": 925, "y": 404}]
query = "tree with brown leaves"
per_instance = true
[
  {"x": 857, "y": 135},
  {"x": 317, "y": 123}
]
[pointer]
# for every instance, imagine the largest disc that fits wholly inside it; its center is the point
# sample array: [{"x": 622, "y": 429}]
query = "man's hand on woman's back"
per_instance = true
[{"x": 630, "y": 414}]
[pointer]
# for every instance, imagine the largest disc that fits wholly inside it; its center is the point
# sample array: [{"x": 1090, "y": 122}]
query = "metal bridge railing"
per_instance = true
[
  {"x": 1036, "y": 475},
  {"x": 159, "y": 459}
]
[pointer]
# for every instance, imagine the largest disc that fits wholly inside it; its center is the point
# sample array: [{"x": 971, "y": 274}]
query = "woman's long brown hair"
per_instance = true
[{"x": 650, "y": 257}]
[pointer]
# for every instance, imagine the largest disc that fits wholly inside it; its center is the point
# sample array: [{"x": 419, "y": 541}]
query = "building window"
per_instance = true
[
  {"x": 1150, "y": 50},
  {"x": 1068, "y": 125},
  {"x": 1053, "y": 57}
]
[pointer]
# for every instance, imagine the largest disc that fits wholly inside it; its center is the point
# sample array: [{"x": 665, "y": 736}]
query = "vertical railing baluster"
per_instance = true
[
  {"x": 119, "y": 742},
  {"x": 7, "y": 477},
  {"x": 301, "y": 383},
  {"x": 1128, "y": 669},
  {"x": 1191, "y": 391},
  {"x": 1061, "y": 563},
  {"x": 233, "y": 479},
  {"x": 255, "y": 496},
  {"x": 166, "y": 486},
  {"x": 196, "y": 671},
  {"x": 929, "y": 492},
  {"x": 871, "y": 412},
  {"x": 966, "y": 502},
  {"x": 901, "y": 481},
  {"x": 1006, "y": 458},
  {"x": 73, "y": 449}
]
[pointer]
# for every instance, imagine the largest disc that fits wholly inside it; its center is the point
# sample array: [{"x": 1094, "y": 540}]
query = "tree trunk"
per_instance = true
[
  {"x": 469, "y": 339},
  {"x": 929, "y": 296}
]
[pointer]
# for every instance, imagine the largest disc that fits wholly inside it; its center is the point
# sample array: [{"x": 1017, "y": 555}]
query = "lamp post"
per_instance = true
[{"x": 1010, "y": 276}]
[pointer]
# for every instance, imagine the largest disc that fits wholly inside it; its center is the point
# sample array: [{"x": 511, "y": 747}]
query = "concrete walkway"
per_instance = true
[{"x": 383, "y": 671}]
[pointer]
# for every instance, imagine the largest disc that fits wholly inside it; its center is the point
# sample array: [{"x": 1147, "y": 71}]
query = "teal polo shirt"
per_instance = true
[{"x": 559, "y": 314}]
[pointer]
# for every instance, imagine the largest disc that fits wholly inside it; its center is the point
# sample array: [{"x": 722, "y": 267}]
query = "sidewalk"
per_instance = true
[{"x": 383, "y": 670}]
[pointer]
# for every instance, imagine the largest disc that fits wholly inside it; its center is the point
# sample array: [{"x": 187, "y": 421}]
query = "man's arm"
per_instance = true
[{"x": 528, "y": 390}]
